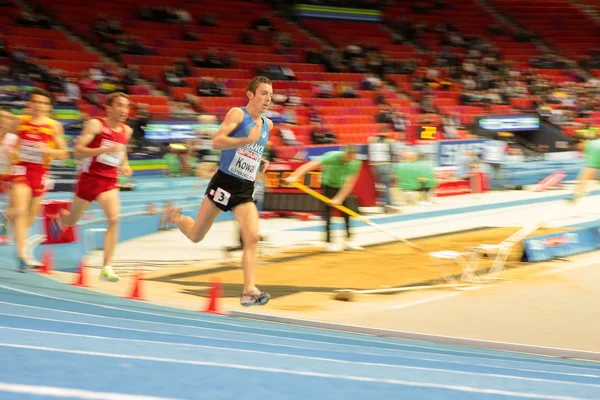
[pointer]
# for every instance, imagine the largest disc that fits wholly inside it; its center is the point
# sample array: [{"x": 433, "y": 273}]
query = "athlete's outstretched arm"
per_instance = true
[
  {"x": 300, "y": 172},
  {"x": 233, "y": 119},
  {"x": 91, "y": 129}
]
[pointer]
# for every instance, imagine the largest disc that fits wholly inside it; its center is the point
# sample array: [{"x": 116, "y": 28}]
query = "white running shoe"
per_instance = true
[
  {"x": 353, "y": 246},
  {"x": 334, "y": 247},
  {"x": 107, "y": 274}
]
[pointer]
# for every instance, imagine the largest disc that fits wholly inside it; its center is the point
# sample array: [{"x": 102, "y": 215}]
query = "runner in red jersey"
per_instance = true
[
  {"x": 40, "y": 139},
  {"x": 102, "y": 146}
]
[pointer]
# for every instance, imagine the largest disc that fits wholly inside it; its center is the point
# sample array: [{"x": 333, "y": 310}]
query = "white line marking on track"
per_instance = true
[
  {"x": 320, "y": 359},
  {"x": 71, "y": 393},
  {"x": 387, "y": 354},
  {"x": 356, "y": 337},
  {"x": 297, "y": 373}
]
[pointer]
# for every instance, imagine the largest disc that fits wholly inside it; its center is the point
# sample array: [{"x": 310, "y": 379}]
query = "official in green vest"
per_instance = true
[
  {"x": 415, "y": 175},
  {"x": 340, "y": 171},
  {"x": 589, "y": 144}
]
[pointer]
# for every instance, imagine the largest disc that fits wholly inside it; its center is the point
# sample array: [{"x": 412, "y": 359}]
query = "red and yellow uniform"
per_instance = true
[{"x": 33, "y": 164}]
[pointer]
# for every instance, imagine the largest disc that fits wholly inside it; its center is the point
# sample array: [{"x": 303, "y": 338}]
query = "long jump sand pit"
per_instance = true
[{"x": 317, "y": 274}]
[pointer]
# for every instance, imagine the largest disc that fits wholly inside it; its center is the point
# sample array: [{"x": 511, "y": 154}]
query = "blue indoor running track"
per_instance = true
[{"x": 59, "y": 341}]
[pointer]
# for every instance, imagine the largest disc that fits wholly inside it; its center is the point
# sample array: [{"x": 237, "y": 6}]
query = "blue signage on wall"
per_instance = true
[
  {"x": 176, "y": 130},
  {"x": 509, "y": 123},
  {"x": 449, "y": 151}
]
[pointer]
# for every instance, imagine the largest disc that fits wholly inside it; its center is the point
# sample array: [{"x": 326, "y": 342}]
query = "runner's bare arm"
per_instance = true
[
  {"x": 91, "y": 129},
  {"x": 128, "y": 132},
  {"x": 125, "y": 168},
  {"x": 222, "y": 141},
  {"x": 13, "y": 153},
  {"x": 61, "y": 151}
]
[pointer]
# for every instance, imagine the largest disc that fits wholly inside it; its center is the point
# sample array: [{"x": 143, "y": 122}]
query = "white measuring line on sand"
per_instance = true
[
  {"x": 319, "y": 359},
  {"x": 386, "y": 353},
  {"x": 64, "y": 393},
  {"x": 425, "y": 301},
  {"x": 398, "y": 382}
]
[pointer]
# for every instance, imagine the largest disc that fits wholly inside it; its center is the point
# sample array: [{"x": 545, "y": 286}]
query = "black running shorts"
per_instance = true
[{"x": 227, "y": 191}]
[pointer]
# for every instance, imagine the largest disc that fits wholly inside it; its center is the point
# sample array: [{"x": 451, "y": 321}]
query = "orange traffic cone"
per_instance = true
[
  {"x": 47, "y": 263},
  {"x": 215, "y": 292},
  {"x": 136, "y": 292},
  {"x": 81, "y": 279}
]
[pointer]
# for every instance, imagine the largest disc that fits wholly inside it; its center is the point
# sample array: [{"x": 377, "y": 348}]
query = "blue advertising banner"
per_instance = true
[
  {"x": 530, "y": 173},
  {"x": 450, "y": 150},
  {"x": 563, "y": 244}
]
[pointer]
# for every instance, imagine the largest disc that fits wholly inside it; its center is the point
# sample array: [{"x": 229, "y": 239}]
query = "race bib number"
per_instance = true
[
  {"x": 112, "y": 159},
  {"x": 30, "y": 152},
  {"x": 221, "y": 196},
  {"x": 18, "y": 170},
  {"x": 245, "y": 164}
]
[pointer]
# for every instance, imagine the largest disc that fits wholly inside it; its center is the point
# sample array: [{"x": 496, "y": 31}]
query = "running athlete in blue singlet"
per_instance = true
[{"x": 242, "y": 138}]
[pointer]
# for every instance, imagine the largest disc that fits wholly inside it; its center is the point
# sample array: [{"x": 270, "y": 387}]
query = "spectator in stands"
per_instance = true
[
  {"x": 33, "y": 20},
  {"x": 3, "y": 52},
  {"x": 263, "y": 24},
  {"x": 172, "y": 79},
  {"x": 451, "y": 125},
  {"x": 246, "y": 38},
  {"x": 209, "y": 87},
  {"x": 138, "y": 126},
  {"x": 324, "y": 90},
  {"x": 209, "y": 20},
  {"x": 314, "y": 57},
  {"x": 293, "y": 98},
  {"x": 181, "y": 110},
  {"x": 371, "y": 82},
  {"x": 5, "y": 73},
  {"x": 321, "y": 135},
  {"x": 290, "y": 116},
  {"x": 132, "y": 75},
  {"x": 333, "y": 62},
  {"x": 182, "y": 69},
  {"x": 72, "y": 90},
  {"x": 114, "y": 26},
  {"x": 96, "y": 73},
  {"x": 380, "y": 151},
  {"x": 314, "y": 115},
  {"x": 288, "y": 136},
  {"x": 213, "y": 60},
  {"x": 89, "y": 89},
  {"x": 346, "y": 91}
]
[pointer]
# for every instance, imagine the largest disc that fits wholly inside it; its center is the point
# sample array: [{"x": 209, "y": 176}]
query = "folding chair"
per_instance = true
[{"x": 498, "y": 252}]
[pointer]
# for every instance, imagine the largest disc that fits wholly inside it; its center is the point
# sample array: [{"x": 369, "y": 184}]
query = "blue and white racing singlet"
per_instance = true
[{"x": 244, "y": 162}]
